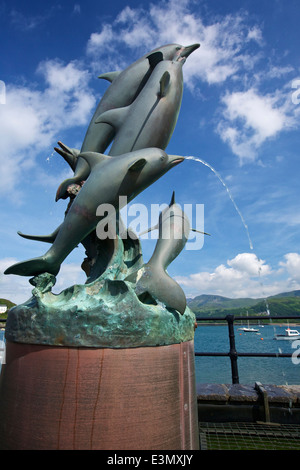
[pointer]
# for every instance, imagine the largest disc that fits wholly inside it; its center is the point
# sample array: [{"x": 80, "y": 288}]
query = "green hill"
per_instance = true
[
  {"x": 210, "y": 306},
  {"x": 286, "y": 303},
  {"x": 216, "y": 302},
  {"x": 9, "y": 304}
]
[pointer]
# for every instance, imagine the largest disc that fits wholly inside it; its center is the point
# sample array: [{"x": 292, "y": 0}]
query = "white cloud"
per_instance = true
[
  {"x": 14, "y": 288},
  {"x": 258, "y": 112},
  {"x": 245, "y": 276},
  {"x": 68, "y": 91},
  {"x": 277, "y": 72},
  {"x": 17, "y": 289},
  {"x": 250, "y": 264},
  {"x": 292, "y": 265},
  {"x": 224, "y": 43},
  {"x": 255, "y": 34},
  {"x": 31, "y": 120},
  {"x": 250, "y": 119},
  {"x": 69, "y": 275},
  {"x": 97, "y": 41}
]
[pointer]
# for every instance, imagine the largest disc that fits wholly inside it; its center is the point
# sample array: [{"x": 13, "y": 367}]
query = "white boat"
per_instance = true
[
  {"x": 289, "y": 335},
  {"x": 248, "y": 329}
]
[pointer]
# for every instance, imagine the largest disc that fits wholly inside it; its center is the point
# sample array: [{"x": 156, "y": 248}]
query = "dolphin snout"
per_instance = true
[
  {"x": 175, "y": 159},
  {"x": 186, "y": 51}
]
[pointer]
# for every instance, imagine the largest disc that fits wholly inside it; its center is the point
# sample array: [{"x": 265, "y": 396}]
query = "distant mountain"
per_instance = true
[
  {"x": 216, "y": 301},
  {"x": 286, "y": 303},
  {"x": 294, "y": 293}
]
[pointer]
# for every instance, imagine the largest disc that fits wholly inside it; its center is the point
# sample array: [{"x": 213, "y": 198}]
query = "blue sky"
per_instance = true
[{"x": 240, "y": 113}]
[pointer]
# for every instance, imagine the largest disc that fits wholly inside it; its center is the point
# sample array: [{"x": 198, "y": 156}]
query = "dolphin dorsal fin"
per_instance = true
[
  {"x": 155, "y": 58},
  {"x": 110, "y": 76},
  {"x": 92, "y": 158},
  {"x": 172, "y": 199},
  {"x": 164, "y": 84},
  {"x": 114, "y": 117}
]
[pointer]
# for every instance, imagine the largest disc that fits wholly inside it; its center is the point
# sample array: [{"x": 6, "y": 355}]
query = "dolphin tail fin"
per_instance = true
[
  {"x": 33, "y": 267},
  {"x": 61, "y": 193},
  {"x": 160, "y": 286},
  {"x": 41, "y": 238}
]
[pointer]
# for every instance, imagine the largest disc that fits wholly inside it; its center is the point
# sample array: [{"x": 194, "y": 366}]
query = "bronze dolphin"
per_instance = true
[
  {"x": 150, "y": 120},
  {"x": 152, "y": 279},
  {"x": 110, "y": 177},
  {"x": 126, "y": 86}
]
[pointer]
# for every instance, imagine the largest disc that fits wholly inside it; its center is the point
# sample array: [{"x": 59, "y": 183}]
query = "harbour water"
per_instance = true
[
  {"x": 214, "y": 338},
  {"x": 270, "y": 370},
  {"x": 274, "y": 370}
]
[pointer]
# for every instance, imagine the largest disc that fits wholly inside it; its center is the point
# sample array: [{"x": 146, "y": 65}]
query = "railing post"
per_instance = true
[{"x": 232, "y": 353}]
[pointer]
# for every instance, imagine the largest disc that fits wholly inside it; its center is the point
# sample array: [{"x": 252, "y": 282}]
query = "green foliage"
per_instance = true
[
  {"x": 287, "y": 303},
  {"x": 9, "y": 304}
]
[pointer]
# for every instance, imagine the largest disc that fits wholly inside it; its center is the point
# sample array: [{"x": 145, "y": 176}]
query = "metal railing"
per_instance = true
[{"x": 232, "y": 353}]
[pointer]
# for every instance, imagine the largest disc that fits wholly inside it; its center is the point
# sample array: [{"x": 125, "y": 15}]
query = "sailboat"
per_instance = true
[{"x": 248, "y": 329}]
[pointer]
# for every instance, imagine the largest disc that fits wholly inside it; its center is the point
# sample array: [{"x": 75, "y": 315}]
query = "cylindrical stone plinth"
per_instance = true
[{"x": 98, "y": 398}]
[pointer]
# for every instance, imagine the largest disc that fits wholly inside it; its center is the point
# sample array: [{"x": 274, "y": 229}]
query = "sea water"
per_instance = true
[{"x": 267, "y": 370}]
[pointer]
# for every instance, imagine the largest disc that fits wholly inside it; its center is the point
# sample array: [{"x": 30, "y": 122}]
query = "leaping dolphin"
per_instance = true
[
  {"x": 152, "y": 279},
  {"x": 150, "y": 120},
  {"x": 110, "y": 177},
  {"x": 125, "y": 87}
]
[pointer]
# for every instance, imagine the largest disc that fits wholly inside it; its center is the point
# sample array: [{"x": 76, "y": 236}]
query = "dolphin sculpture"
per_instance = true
[
  {"x": 125, "y": 87},
  {"x": 150, "y": 120},
  {"x": 152, "y": 279},
  {"x": 135, "y": 126},
  {"x": 127, "y": 175}
]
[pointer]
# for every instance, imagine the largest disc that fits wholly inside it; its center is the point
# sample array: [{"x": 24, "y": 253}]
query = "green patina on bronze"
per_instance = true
[{"x": 104, "y": 313}]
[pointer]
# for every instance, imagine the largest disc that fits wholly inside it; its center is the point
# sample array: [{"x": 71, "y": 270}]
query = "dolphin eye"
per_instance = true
[
  {"x": 162, "y": 158},
  {"x": 178, "y": 48}
]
